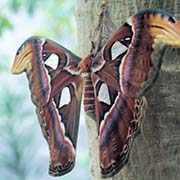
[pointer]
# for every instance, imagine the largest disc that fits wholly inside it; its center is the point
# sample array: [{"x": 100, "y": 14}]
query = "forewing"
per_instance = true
[
  {"x": 140, "y": 64},
  {"x": 59, "y": 122}
]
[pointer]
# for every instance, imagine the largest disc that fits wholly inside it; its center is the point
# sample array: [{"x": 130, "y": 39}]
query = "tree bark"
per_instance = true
[{"x": 156, "y": 151}]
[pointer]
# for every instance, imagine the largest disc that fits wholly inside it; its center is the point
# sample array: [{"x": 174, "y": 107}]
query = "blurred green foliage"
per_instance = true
[
  {"x": 59, "y": 14},
  {"x": 13, "y": 6},
  {"x": 30, "y": 5},
  {"x": 4, "y": 24},
  {"x": 13, "y": 141}
]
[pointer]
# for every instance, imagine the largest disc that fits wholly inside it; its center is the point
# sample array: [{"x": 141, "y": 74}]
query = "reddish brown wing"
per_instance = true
[
  {"x": 144, "y": 35},
  {"x": 128, "y": 65},
  {"x": 119, "y": 119},
  {"x": 119, "y": 114},
  {"x": 59, "y": 123}
]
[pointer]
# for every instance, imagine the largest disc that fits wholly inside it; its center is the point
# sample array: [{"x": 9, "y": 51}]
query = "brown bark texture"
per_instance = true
[{"x": 155, "y": 154}]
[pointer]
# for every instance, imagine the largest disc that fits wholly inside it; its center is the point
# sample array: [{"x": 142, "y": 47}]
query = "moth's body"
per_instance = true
[
  {"x": 88, "y": 95},
  {"x": 123, "y": 76}
]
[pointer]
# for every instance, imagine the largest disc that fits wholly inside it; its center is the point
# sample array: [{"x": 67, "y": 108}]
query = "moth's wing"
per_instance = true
[
  {"x": 59, "y": 121},
  {"x": 118, "y": 115},
  {"x": 119, "y": 120},
  {"x": 144, "y": 37}
]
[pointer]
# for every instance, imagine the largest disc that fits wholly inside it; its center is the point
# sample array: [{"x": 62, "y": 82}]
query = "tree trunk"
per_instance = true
[{"x": 156, "y": 151}]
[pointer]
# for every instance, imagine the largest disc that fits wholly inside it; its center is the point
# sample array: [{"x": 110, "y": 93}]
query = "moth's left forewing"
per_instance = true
[{"x": 59, "y": 121}]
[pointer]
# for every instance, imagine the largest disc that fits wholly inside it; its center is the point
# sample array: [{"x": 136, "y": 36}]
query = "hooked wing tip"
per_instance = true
[
  {"x": 24, "y": 55},
  {"x": 16, "y": 67},
  {"x": 19, "y": 65},
  {"x": 163, "y": 27}
]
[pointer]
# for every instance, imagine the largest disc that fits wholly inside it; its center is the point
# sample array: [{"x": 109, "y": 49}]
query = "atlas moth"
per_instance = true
[{"x": 125, "y": 68}]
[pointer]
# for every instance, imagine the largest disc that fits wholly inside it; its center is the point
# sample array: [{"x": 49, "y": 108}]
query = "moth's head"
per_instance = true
[
  {"x": 85, "y": 63},
  {"x": 162, "y": 27},
  {"x": 23, "y": 58}
]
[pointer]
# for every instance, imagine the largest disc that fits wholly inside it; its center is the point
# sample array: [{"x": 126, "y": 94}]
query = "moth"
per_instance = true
[{"x": 125, "y": 68}]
